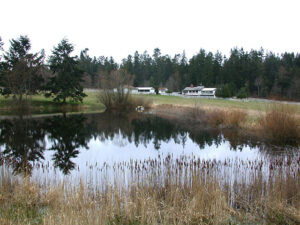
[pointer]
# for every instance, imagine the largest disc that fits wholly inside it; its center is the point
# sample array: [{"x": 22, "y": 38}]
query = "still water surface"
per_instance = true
[{"x": 77, "y": 146}]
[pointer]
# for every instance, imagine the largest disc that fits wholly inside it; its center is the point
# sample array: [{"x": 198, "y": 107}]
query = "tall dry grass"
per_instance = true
[
  {"x": 214, "y": 117},
  {"x": 226, "y": 118},
  {"x": 281, "y": 125},
  {"x": 185, "y": 190}
]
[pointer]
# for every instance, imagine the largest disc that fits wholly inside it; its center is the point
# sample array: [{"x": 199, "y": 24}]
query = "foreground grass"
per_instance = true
[{"x": 165, "y": 191}]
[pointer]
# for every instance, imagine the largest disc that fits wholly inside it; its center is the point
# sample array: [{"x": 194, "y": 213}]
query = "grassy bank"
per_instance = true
[{"x": 165, "y": 191}]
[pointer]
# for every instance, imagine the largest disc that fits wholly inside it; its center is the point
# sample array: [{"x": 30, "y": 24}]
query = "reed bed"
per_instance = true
[
  {"x": 213, "y": 117},
  {"x": 281, "y": 125},
  {"x": 164, "y": 190}
]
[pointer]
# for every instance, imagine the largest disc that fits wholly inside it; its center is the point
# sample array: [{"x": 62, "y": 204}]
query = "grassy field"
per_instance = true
[
  {"x": 218, "y": 103},
  {"x": 91, "y": 103},
  {"x": 39, "y": 104}
]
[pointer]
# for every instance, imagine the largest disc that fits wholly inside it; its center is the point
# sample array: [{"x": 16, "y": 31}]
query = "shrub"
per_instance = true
[
  {"x": 280, "y": 125},
  {"x": 225, "y": 91},
  {"x": 120, "y": 101},
  {"x": 243, "y": 93}
]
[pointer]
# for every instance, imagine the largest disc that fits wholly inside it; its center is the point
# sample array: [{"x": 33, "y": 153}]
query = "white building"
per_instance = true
[
  {"x": 192, "y": 91},
  {"x": 137, "y": 90},
  {"x": 143, "y": 90},
  {"x": 162, "y": 91},
  {"x": 208, "y": 92},
  {"x": 199, "y": 91}
]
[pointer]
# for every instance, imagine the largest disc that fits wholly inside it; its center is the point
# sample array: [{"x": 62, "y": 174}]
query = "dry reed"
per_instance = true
[
  {"x": 281, "y": 125},
  {"x": 167, "y": 190}
]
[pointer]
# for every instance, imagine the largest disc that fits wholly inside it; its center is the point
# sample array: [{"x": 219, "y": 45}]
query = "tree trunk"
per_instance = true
[{"x": 20, "y": 97}]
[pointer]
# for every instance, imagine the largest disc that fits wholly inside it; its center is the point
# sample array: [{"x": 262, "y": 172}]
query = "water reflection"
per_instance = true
[
  {"x": 25, "y": 141},
  {"x": 67, "y": 135}
]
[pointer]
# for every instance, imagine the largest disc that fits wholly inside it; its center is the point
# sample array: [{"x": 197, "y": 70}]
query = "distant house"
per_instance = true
[
  {"x": 192, "y": 91},
  {"x": 208, "y": 92},
  {"x": 143, "y": 90},
  {"x": 162, "y": 91},
  {"x": 137, "y": 90},
  {"x": 199, "y": 91}
]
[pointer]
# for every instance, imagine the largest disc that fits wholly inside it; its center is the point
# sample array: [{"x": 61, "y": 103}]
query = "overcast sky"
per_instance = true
[{"x": 120, "y": 27}]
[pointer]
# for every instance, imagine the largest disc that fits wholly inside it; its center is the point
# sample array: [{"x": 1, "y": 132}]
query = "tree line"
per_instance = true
[{"x": 257, "y": 73}]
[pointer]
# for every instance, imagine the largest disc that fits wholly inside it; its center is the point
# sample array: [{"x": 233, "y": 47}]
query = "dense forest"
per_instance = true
[{"x": 258, "y": 73}]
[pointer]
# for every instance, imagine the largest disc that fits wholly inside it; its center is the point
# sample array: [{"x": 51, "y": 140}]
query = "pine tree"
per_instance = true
[
  {"x": 21, "y": 71},
  {"x": 66, "y": 82}
]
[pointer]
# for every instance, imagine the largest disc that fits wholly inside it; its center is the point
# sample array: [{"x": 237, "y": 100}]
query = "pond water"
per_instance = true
[{"x": 89, "y": 146}]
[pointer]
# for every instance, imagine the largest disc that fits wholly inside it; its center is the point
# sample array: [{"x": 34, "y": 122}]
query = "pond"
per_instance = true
[{"x": 96, "y": 147}]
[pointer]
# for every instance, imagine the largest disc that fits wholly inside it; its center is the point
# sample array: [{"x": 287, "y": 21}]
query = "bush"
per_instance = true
[
  {"x": 122, "y": 101},
  {"x": 225, "y": 91},
  {"x": 243, "y": 93}
]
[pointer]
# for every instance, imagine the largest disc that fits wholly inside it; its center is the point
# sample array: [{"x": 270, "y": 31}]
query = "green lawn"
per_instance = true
[
  {"x": 91, "y": 103},
  {"x": 42, "y": 105}
]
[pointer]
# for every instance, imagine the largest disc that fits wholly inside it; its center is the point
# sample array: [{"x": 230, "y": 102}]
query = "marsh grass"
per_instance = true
[
  {"x": 281, "y": 125},
  {"x": 167, "y": 190},
  {"x": 213, "y": 117}
]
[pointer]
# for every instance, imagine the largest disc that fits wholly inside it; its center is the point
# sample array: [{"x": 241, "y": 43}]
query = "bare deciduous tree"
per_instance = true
[
  {"x": 258, "y": 83},
  {"x": 173, "y": 83},
  {"x": 115, "y": 88}
]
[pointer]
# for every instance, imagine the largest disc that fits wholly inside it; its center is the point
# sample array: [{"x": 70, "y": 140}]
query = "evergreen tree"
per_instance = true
[
  {"x": 66, "y": 82},
  {"x": 21, "y": 71}
]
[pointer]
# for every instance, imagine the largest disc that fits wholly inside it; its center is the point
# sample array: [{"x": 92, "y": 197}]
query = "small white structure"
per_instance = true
[
  {"x": 192, "y": 91},
  {"x": 137, "y": 90},
  {"x": 208, "y": 92},
  {"x": 162, "y": 91},
  {"x": 126, "y": 89},
  {"x": 143, "y": 90}
]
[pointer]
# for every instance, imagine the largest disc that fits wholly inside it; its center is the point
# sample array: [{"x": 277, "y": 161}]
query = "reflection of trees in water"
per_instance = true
[
  {"x": 23, "y": 141},
  {"x": 146, "y": 129},
  {"x": 205, "y": 137},
  {"x": 67, "y": 134}
]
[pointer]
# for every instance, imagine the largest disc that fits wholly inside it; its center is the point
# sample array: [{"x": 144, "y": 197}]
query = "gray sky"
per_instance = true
[{"x": 119, "y": 27}]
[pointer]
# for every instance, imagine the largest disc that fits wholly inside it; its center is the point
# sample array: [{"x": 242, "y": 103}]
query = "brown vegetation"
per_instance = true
[
  {"x": 212, "y": 117},
  {"x": 185, "y": 190},
  {"x": 115, "y": 94},
  {"x": 281, "y": 125}
]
